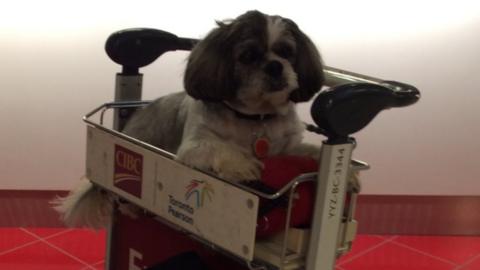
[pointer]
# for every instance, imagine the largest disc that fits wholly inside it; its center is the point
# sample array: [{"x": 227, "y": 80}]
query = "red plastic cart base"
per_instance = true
[{"x": 137, "y": 244}]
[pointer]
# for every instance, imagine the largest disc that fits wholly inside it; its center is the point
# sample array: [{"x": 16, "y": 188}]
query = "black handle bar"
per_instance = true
[
  {"x": 137, "y": 47},
  {"x": 345, "y": 109}
]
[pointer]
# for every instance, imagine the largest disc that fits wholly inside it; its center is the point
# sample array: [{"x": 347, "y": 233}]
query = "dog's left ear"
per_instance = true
[{"x": 308, "y": 66}]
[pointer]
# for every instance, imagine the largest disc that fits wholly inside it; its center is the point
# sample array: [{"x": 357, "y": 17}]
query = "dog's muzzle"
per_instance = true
[
  {"x": 274, "y": 69},
  {"x": 276, "y": 80}
]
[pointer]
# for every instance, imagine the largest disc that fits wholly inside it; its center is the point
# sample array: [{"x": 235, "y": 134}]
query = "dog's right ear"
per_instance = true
[
  {"x": 210, "y": 68},
  {"x": 308, "y": 65}
]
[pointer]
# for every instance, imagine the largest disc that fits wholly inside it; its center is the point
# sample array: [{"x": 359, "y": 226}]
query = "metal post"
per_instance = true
[
  {"x": 127, "y": 88},
  {"x": 329, "y": 203}
]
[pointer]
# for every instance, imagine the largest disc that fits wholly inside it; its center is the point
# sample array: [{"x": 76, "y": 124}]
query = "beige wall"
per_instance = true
[{"x": 53, "y": 70}]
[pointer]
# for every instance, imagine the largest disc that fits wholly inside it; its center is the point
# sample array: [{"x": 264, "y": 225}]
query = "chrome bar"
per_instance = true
[
  {"x": 356, "y": 165},
  {"x": 127, "y": 87},
  {"x": 287, "y": 224},
  {"x": 335, "y": 76}
]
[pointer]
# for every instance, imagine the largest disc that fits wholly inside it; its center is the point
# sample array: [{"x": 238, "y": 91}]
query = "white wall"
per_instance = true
[{"x": 53, "y": 70}]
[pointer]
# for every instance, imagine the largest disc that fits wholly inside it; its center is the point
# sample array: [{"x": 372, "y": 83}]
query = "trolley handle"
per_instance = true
[
  {"x": 347, "y": 108},
  {"x": 138, "y": 47}
]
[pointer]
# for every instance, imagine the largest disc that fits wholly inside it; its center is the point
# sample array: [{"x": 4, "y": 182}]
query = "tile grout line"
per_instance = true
[
  {"x": 467, "y": 262},
  {"x": 424, "y": 253},
  {"x": 382, "y": 237},
  {"x": 58, "y": 249},
  {"x": 48, "y": 237},
  {"x": 19, "y": 247},
  {"x": 388, "y": 240},
  {"x": 94, "y": 264},
  {"x": 36, "y": 240}
]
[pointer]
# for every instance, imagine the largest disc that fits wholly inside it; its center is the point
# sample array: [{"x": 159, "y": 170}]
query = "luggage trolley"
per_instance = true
[{"x": 193, "y": 220}]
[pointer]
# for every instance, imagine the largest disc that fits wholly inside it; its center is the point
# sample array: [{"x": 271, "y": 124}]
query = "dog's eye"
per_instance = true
[
  {"x": 285, "y": 51},
  {"x": 250, "y": 56}
]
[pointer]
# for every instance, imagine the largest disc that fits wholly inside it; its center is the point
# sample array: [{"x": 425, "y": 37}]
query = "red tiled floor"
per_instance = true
[
  {"x": 360, "y": 245},
  {"x": 39, "y": 256},
  {"x": 99, "y": 266},
  {"x": 455, "y": 249},
  {"x": 393, "y": 257},
  {"x": 80, "y": 249},
  {"x": 12, "y": 238},
  {"x": 87, "y": 245},
  {"x": 51, "y": 249},
  {"x": 473, "y": 265},
  {"x": 47, "y": 232}
]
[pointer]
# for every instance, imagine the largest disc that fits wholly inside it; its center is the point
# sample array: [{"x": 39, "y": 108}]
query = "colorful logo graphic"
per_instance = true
[
  {"x": 198, "y": 190},
  {"x": 128, "y": 168}
]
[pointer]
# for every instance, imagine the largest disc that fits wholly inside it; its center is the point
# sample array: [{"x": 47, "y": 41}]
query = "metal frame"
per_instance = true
[
  {"x": 357, "y": 165},
  {"x": 334, "y": 233},
  {"x": 333, "y": 227},
  {"x": 331, "y": 232}
]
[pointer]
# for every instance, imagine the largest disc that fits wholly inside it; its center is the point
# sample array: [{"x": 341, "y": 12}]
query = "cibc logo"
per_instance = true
[{"x": 128, "y": 169}]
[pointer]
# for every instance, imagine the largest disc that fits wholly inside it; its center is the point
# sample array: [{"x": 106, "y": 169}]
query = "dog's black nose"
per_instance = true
[{"x": 274, "y": 68}]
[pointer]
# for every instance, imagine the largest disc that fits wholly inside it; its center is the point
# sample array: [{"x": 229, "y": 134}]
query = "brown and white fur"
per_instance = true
[{"x": 241, "y": 82}]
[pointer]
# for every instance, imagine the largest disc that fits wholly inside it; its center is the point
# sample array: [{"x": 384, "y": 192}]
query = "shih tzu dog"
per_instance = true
[{"x": 241, "y": 85}]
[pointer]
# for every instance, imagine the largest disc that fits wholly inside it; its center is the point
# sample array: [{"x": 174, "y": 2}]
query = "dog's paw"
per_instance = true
[
  {"x": 226, "y": 161},
  {"x": 238, "y": 168}
]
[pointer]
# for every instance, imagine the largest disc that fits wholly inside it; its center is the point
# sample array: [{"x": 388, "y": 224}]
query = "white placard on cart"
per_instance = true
[{"x": 210, "y": 208}]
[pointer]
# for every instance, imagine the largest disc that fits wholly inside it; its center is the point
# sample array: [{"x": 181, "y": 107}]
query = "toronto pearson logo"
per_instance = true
[
  {"x": 128, "y": 169},
  {"x": 199, "y": 191}
]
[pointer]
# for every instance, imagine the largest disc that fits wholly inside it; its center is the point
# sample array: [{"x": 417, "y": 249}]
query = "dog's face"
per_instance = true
[{"x": 257, "y": 63}]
